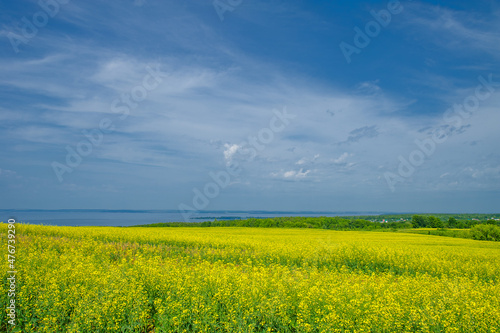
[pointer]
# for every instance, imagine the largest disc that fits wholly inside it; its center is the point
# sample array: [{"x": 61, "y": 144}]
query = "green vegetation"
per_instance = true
[
  {"x": 332, "y": 223},
  {"x": 465, "y": 218},
  {"x": 485, "y": 232},
  {"x": 455, "y": 233},
  {"x": 423, "y": 221},
  {"x": 458, "y": 226}
]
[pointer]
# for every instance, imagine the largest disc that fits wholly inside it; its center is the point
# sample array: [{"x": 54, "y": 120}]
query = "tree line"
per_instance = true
[
  {"x": 333, "y": 223},
  {"x": 422, "y": 221},
  {"x": 337, "y": 223}
]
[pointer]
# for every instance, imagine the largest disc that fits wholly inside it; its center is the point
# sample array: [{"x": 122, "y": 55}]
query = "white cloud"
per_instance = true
[
  {"x": 229, "y": 151},
  {"x": 305, "y": 160},
  {"x": 302, "y": 174},
  {"x": 301, "y": 161},
  {"x": 291, "y": 174},
  {"x": 341, "y": 159},
  {"x": 369, "y": 87}
]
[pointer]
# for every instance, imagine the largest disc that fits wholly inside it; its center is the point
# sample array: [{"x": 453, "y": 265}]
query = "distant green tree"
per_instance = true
[
  {"x": 435, "y": 222},
  {"x": 418, "y": 221},
  {"x": 452, "y": 222}
]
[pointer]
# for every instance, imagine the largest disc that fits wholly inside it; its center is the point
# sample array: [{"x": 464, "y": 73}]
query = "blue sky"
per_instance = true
[{"x": 250, "y": 105}]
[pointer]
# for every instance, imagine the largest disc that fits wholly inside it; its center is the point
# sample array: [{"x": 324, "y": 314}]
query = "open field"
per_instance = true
[{"x": 103, "y": 279}]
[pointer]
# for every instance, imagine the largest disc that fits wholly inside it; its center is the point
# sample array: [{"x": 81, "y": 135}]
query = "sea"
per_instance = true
[{"x": 124, "y": 218}]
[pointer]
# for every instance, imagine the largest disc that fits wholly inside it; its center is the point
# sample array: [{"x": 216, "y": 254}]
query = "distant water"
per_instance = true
[{"x": 95, "y": 217}]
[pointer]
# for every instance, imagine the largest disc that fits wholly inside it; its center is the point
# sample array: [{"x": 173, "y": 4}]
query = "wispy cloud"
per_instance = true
[
  {"x": 291, "y": 174},
  {"x": 457, "y": 30}
]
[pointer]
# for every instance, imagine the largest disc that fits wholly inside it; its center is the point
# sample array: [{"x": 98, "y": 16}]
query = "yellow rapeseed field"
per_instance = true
[{"x": 103, "y": 279}]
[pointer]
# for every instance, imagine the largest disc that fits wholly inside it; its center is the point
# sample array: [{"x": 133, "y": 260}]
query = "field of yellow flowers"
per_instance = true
[{"x": 105, "y": 279}]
